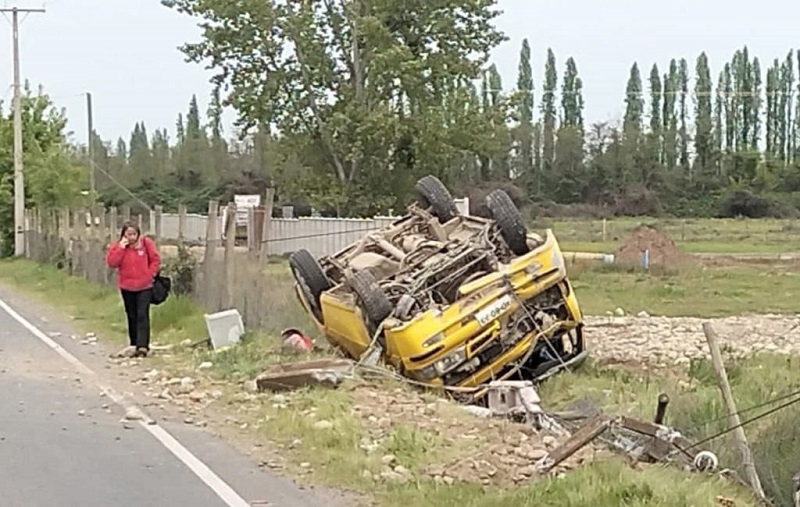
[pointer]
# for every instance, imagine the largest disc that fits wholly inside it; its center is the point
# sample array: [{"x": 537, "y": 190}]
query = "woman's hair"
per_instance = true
[{"x": 130, "y": 224}]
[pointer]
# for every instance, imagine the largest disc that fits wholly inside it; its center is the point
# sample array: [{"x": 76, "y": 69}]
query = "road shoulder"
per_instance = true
[{"x": 228, "y": 459}]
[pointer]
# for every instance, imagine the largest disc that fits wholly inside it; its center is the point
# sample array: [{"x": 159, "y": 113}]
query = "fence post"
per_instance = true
[
  {"x": 63, "y": 232},
  {"x": 63, "y": 225},
  {"x": 209, "y": 292},
  {"x": 252, "y": 237},
  {"x": 126, "y": 214},
  {"x": 157, "y": 229},
  {"x": 103, "y": 229},
  {"x": 230, "y": 245},
  {"x": 151, "y": 226},
  {"x": 181, "y": 224},
  {"x": 27, "y": 233},
  {"x": 113, "y": 221},
  {"x": 266, "y": 225},
  {"x": 212, "y": 235}
]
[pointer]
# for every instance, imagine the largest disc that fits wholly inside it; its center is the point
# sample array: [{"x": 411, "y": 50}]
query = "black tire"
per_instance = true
[
  {"x": 310, "y": 277},
  {"x": 431, "y": 192},
  {"x": 509, "y": 220},
  {"x": 371, "y": 297}
]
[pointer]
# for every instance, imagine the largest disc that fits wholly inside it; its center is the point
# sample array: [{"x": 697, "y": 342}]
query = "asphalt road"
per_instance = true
[{"x": 62, "y": 443}]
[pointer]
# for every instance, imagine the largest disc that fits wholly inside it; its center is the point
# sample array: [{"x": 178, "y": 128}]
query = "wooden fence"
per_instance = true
[{"x": 218, "y": 274}]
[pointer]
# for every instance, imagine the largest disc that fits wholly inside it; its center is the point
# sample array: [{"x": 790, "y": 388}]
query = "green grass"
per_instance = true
[
  {"x": 696, "y": 407},
  {"x": 607, "y": 484},
  {"x": 700, "y": 291},
  {"x": 334, "y": 455},
  {"x": 692, "y": 235}
]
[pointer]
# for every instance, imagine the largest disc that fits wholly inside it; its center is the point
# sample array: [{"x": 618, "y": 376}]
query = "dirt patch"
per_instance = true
[
  {"x": 662, "y": 249},
  {"x": 493, "y": 452}
]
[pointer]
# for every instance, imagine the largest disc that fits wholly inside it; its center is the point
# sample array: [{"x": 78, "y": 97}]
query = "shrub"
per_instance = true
[{"x": 181, "y": 269}]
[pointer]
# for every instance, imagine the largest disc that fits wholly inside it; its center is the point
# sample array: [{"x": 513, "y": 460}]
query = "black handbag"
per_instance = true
[{"x": 161, "y": 288}]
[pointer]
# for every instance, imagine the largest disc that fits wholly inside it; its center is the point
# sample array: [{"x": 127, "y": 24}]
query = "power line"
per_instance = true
[
  {"x": 756, "y": 407},
  {"x": 124, "y": 188},
  {"x": 743, "y": 423}
]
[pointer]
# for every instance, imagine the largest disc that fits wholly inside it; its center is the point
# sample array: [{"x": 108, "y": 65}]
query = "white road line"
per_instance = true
[{"x": 200, "y": 469}]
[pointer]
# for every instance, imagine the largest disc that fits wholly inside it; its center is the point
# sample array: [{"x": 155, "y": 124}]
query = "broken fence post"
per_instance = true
[
  {"x": 661, "y": 408},
  {"x": 733, "y": 416}
]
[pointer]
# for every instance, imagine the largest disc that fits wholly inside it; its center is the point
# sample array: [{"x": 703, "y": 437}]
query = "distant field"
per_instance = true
[
  {"x": 711, "y": 236},
  {"x": 732, "y": 236}
]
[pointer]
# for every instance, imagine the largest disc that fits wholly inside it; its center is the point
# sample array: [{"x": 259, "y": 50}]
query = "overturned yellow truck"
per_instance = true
[{"x": 448, "y": 299}]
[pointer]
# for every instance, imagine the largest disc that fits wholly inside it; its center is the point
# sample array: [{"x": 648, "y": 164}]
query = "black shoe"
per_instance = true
[{"x": 141, "y": 352}]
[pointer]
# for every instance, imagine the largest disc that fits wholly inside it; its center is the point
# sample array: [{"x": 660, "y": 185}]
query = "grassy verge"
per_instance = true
[
  {"x": 696, "y": 408},
  {"x": 701, "y": 291},
  {"x": 343, "y": 437}
]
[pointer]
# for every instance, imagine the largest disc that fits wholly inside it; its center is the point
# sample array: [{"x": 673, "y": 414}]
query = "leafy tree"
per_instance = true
[
  {"x": 52, "y": 180},
  {"x": 634, "y": 104},
  {"x": 655, "y": 115},
  {"x": 524, "y": 107},
  {"x": 369, "y": 88},
  {"x": 703, "y": 121},
  {"x": 548, "y": 110}
]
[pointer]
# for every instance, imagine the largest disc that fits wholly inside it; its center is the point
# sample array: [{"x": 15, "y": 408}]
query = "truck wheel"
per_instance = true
[
  {"x": 372, "y": 298},
  {"x": 310, "y": 277},
  {"x": 509, "y": 220},
  {"x": 431, "y": 192}
]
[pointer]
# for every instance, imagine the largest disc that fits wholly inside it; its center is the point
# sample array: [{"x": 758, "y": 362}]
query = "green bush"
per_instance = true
[{"x": 181, "y": 269}]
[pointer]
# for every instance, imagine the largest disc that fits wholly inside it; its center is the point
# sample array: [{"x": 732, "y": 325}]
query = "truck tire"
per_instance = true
[
  {"x": 309, "y": 276},
  {"x": 373, "y": 300},
  {"x": 431, "y": 192},
  {"x": 509, "y": 220}
]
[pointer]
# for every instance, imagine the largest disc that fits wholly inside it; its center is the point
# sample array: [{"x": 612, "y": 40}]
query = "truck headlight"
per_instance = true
[{"x": 450, "y": 361}]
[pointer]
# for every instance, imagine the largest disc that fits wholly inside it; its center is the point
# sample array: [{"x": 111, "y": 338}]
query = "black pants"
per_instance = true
[{"x": 137, "y": 308}]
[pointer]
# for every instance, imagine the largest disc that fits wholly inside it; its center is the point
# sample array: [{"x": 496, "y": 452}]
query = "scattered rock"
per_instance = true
[
  {"x": 81, "y": 413},
  {"x": 197, "y": 396},
  {"x": 205, "y": 365},
  {"x": 184, "y": 386},
  {"x": 675, "y": 341},
  {"x": 134, "y": 414},
  {"x": 619, "y": 312},
  {"x": 323, "y": 425}
]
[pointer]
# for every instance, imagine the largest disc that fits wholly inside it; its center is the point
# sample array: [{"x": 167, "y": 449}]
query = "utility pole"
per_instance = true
[
  {"x": 733, "y": 414},
  {"x": 19, "y": 181},
  {"x": 90, "y": 144}
]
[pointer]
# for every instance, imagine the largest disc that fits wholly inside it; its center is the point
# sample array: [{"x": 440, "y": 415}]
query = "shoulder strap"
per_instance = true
[{"x": 148, "y": 244}]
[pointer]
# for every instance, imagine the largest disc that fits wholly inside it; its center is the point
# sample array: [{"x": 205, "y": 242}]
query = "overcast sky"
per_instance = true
[{"x": 125, "y": 51}]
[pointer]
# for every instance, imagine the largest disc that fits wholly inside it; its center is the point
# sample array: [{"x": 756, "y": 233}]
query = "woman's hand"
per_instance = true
[{"x": 123, "y": 242}]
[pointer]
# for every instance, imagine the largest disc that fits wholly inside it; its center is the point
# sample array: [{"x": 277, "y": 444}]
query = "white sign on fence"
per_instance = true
[{"x": 243, "y": 203}]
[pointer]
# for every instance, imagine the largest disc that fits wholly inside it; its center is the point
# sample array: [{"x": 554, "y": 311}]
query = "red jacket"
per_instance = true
[{"x": 136, "y": 265}]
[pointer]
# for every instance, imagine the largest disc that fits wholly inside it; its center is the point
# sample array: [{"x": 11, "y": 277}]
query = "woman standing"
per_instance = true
[{"x": 137, "y": 261}]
